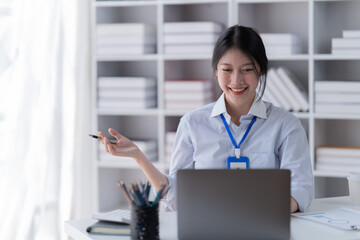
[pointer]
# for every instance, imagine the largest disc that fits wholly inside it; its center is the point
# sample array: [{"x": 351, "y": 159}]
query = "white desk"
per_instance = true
[{"x": 300, "y": 229}]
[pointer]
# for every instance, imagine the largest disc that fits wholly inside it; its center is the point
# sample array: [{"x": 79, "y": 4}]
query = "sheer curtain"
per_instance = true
[{"x": 45, "y": 160}]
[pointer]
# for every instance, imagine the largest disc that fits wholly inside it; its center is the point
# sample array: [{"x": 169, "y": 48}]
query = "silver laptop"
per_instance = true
[{"x": 233, "y": 204}]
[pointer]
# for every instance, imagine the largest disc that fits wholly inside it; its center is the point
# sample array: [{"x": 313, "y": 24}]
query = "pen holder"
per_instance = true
[{"x": 145, "y": 222}]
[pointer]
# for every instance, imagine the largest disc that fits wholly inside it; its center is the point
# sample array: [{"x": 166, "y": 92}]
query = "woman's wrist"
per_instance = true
[{"x": 139, "y": 156}]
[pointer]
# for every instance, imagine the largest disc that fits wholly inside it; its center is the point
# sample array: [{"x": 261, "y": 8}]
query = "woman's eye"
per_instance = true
[
  {"x": 248, "y": 70},
  {"x": 226, "y": 69}
]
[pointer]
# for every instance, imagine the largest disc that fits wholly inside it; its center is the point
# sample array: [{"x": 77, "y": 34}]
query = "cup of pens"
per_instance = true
[{"x": 144, "y": 213}]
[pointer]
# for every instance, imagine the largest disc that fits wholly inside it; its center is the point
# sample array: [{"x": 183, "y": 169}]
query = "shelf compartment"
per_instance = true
[
  {"x": 330, "y": 184},
  {"x": 132, "y": 127},
  {"x": 127, "y": 14},
  {"x": 337, "y": 70},
  {"x": 341, "y": 132},
  {"x": 272, "y": 18},
  {"x": 188, "y": 69},
  {"x": 127, "y": 68},
  {"x": 198, "y": 11},
  {"x": 107, "y": 179},
  {"x": 340, "y": 15}
]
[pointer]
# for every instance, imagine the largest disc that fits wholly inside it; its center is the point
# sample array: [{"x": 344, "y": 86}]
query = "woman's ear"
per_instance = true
[{"x": 216, "y": 72}]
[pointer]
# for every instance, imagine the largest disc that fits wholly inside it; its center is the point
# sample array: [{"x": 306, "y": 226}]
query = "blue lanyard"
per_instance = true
[{"x": 230, "y": 134}]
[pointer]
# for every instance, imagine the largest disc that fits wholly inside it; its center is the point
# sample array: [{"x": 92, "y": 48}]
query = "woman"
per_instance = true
[{"x": 209, "y": 137}]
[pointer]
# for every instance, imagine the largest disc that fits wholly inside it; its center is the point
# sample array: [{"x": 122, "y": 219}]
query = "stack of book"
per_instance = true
[
  {"x": 337, "y": 97},
  {"x": 148, "y": 147},
  {"x": 169, "y": 143},
  {"x": 126, "y": 92},
  {"x": 349, "y": 44},
  {"x": 125, "y": 38},
  {"x": 281, "y": 43},
  {"x": 187, "y": 94},
  {"x": 339, "y": 158},
  {"x": 190, "y": 37},
  {"x": 284, "y": 90}
]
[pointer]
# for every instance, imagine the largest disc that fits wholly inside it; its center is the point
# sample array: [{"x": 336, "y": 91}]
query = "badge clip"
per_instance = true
[{"x": 237, "y": 153}]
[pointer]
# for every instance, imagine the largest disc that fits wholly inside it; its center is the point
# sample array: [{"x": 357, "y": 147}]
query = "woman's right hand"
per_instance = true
[
  {"x": 126, "y": 148},
  {"x": 123, "y": 147}
]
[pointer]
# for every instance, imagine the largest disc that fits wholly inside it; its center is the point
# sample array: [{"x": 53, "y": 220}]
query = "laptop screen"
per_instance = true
[{"x": 233, "y": 204}]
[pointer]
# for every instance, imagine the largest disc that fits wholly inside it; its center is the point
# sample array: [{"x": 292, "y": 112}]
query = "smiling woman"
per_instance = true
[
  {"x": 238, "y": 128},
  {"x": 44, "y": 117}
]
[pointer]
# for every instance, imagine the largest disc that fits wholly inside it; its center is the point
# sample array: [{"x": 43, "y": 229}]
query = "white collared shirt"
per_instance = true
[{"x": 276, "y": 140}]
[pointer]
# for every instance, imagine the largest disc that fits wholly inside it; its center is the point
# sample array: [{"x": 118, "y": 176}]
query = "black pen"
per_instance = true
[{"x": 99, "y": 138}]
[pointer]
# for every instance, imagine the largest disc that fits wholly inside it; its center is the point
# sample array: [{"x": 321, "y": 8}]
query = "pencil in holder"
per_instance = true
[{"x": 145, "y": 222}]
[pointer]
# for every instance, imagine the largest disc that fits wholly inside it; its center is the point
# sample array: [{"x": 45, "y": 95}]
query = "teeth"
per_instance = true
[{"x": 238, "y": 90}]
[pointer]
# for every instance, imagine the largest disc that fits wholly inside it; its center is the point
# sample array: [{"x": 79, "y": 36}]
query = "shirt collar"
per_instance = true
[{"x": 258, "y": 108}]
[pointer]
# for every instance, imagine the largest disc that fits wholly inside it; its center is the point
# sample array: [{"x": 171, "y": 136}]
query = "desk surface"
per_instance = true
[{"x": 300, "y": 229}]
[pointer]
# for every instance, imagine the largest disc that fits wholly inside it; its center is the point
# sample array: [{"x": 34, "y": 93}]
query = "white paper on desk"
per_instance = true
[{"x": 342, "y": 218}]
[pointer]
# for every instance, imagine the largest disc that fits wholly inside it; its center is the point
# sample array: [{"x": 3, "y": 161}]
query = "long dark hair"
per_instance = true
[{"x": 247, "y": 40}]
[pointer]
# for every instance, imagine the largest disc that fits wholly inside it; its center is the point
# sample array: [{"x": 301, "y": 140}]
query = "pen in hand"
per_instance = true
[
  {"x": 99, "y": 138},
  {"x": 355, "y": 227}
]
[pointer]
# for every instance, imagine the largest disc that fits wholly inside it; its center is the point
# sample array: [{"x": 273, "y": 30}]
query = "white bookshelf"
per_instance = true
[{"x": 314, "y": 21}]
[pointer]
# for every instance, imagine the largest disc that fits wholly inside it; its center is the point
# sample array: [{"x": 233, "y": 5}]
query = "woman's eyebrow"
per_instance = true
[{"x": 245, "y": 64}]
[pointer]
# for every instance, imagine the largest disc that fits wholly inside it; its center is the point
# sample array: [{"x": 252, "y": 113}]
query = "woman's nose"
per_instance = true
[{"x": 237, "y": 78}]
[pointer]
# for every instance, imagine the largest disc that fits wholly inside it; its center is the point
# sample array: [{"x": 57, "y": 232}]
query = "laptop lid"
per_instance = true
[{"x": 233, "y": 204}]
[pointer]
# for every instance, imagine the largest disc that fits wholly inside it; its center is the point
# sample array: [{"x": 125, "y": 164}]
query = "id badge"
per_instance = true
[{"x": 238, "y": 163}]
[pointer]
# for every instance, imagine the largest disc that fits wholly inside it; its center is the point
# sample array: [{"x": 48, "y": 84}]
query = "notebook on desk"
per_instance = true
[{"x": 233, "y": 204}]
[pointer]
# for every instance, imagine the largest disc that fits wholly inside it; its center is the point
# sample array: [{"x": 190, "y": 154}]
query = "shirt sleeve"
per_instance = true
[
  {"x": 181, "y": 158},
  {"x": 294, "y": 155}
]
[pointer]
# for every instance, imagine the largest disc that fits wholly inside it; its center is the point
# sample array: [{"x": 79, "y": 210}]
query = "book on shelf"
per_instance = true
[
  {"x": 170, "y": 137},
  {"x": 186, "y": 105},
  {"x": 281, "y": 85},
  {"x": 126, "y": 82},
  {"x": 126, "y": 103},
  {"x": 353, "y": 43},
  {"x": 146, "y": 146},
  {"x": 337, "y": 86},
  {"x": 351, "y": 33},
  {"x": 168, "y": 158},
  {"x": 188, "y": 85},
  {"x": 191, "y": 38},
  {"x": 280, "y": 39},
  {"x": 193, "y": 95},
  {"x": 269, "y": 96},
  {"x": 127, "y": 92},
  {"x": 338, "y": 160},
  {"x": 275, "y": 50},
  {"x": 339, "y": 151},
  {"x": 189, "y": 49},
  {"x": 192, "y": 27},
  {"x": 169, "y": 143},
  {"x": 124, "y": 29},
  {"x": 337, "y": 97},
  {"x": 276, "y": 92},
  {"x": 346, "y": 51},
  {"x": 281, "y": 43},
  {"x": 345, "y": 108},
  {"x": 109, "y": 228},
  {"x": 120, "y": 40},
  {"x": 337, "y": 168},
  {"x": 295, "y": 87},
  {"x": 125, "y": 49}
]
